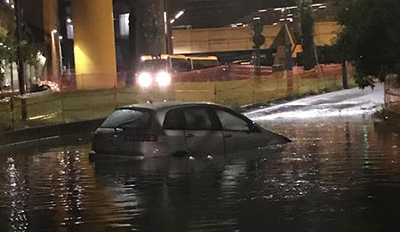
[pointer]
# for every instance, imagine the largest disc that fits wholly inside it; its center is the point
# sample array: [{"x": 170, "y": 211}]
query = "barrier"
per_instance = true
[{"x": 233, "y": 86}]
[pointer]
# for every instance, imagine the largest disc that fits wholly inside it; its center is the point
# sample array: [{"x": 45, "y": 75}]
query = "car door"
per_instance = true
[
  {"x": 173, "y": 142},
  {"x": 202, "y": 134},
  {"x": 239, "y": 133}
]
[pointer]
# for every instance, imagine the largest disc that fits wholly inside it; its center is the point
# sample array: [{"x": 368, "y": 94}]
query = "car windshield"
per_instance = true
[
  {"x": 128, "y": 118},
  {"x": 153, "y": 65}
]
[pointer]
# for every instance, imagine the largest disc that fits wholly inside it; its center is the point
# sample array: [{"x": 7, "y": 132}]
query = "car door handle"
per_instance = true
[
  {"x": 118, "y": 131},
  {"x": 228, "y": 136},
  {"x": 189, "y": 136}
]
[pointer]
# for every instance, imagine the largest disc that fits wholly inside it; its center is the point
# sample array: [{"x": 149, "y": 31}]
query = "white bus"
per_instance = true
[{"x": 162, "y": 68}]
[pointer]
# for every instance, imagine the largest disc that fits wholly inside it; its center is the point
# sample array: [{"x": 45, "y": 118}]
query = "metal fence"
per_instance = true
[{"x": 233, "y": 86}]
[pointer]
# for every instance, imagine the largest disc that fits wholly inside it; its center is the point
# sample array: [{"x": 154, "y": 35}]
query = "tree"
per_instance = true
[
  {"x": 153, "y": 25},
  {"x": 341, "y": 50},
  {"x": 307, "y": 31},
  {"x": 131, "y": 59},
  {"x": 7, "y": 54},
  {"x": 152, "y": 28},
  {"x": 371, "y": 38}
]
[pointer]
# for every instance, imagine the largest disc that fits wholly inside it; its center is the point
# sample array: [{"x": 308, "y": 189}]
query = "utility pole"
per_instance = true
[
  {"x": 289, "y": 45},
  {"x": 168, "y": 30},
  {"x": 21, "y": 72},
  {"x": 344, "y": 75},
  {"x": 12, "y": 94},
  {"x": 344, "y": 65}
]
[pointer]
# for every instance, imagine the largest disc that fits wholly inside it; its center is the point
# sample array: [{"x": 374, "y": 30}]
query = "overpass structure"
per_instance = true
[
  {"x": 282, "y": 27},
  {"x": 240, "y": 38}
]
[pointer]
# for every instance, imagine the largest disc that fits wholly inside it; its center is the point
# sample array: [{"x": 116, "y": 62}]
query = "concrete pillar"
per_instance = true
[
  {"x": 94, "y": 44},
  {"x": 50, "y": 21}
]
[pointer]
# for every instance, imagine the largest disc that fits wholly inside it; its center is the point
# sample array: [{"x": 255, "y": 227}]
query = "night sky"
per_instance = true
[
  {"x": 217, "y": 13},
  {"x": 199, "y": 13}
]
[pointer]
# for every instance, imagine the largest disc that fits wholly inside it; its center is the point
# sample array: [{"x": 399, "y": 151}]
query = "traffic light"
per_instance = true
[
  {"x": 258, "y": 38},
  {"x": 258, "y": 41}
]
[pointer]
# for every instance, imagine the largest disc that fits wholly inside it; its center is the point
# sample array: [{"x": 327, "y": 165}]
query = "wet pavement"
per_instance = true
[
  {"x": 351, "y": 102},
  {"x": 339, "y": 174}
]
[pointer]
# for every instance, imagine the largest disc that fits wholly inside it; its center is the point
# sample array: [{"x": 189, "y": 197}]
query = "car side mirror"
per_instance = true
[{"x": 254, "y": 128}]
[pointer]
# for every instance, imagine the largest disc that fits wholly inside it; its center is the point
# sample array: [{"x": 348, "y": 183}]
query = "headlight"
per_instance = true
[
  {"x": 145, "y": 80},
  {"x": 163, "y": 79}
]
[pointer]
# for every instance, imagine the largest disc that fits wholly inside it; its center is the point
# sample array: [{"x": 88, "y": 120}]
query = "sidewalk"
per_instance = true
[{"x": 352, "y": 102}]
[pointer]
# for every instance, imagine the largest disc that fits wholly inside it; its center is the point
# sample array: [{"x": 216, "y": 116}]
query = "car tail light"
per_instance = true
[{"x": 142, "y": 138}]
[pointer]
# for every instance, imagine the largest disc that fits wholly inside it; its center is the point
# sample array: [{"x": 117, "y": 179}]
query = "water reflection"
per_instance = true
[
  {"x": 338, "y": 175},
  {"x": 17, "y": 194}
]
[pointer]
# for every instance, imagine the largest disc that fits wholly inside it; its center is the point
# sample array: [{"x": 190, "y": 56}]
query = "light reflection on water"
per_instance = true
[{"x": 338, "y": 175}]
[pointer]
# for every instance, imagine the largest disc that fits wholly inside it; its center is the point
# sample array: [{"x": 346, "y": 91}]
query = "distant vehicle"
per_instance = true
[
  {"x": 39, "y": 88},
  {"x": 160, "y": 69},
  {"x": 180, "y": 129}
]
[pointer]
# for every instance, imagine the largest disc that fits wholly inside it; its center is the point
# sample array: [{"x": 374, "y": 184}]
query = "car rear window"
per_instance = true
[{"x": 128, "y": 118}]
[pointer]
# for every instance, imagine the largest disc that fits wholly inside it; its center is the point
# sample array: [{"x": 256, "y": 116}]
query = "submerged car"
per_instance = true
[{"x": 180, "y": 129}]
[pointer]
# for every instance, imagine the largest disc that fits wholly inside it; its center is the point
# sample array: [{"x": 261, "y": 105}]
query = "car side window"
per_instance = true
[
  {"x": 174, "y": 121},
  {"x": 232, "y": 122},
  {"x": 197, "y": 119}
]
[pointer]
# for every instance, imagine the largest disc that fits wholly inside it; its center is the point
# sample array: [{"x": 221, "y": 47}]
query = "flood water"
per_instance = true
[{"x": 337, "y": 175}]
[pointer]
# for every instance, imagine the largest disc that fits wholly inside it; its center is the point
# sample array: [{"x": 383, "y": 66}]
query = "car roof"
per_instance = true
[{"x": 156, "y": 106}]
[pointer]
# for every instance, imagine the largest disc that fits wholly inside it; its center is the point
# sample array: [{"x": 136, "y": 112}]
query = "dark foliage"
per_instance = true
[
  {"x": 371, "y": 37},
  {"x": 307, "y": 30}
]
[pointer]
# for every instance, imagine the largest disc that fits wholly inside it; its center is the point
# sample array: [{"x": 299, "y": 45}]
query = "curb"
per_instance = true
[{"x": 32, "y": 135}]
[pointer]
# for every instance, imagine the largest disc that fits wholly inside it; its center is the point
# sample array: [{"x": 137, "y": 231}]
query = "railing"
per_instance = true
[{"x": 233, "y": 86}]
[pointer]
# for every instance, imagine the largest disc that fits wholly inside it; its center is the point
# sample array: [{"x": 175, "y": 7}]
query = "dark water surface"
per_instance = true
[{"x": 340, "y": 175}]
